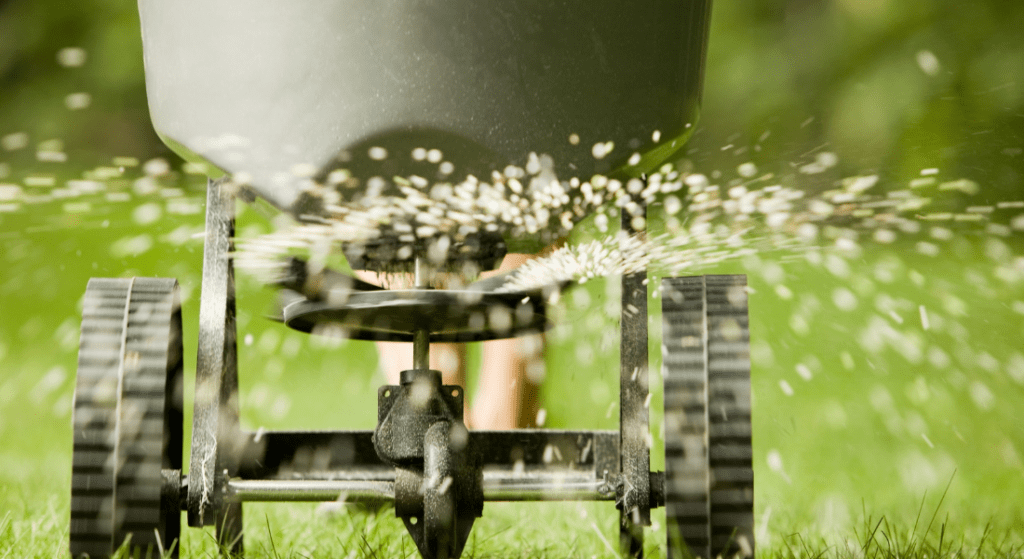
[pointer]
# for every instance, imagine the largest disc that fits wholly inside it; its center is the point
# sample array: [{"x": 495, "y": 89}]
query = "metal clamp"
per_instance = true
[{"x": 405, "y": 413}]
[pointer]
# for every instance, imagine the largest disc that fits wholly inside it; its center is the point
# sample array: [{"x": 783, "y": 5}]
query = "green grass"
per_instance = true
[{"x": 863, "y": 417}]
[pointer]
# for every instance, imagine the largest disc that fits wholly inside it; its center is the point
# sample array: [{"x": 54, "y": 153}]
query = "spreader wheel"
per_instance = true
[
  {"x": 709, "y": 477},
  {"x": 127, "y": 418}
]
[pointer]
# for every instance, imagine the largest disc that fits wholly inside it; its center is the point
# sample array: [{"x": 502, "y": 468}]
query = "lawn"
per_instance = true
[{"x": 886, "y": 386}]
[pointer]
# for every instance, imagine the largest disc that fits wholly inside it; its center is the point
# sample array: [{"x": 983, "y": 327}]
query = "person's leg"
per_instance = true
[
  {"x": 506, "y": 394},
  {"x": 511, "y": 369}
]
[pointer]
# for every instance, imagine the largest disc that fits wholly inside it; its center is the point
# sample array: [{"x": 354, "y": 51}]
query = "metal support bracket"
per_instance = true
[
  {"x": 406, "y": 411},
  {"x": 438, "y": 486},
  {"x": 634, "y": 421},
  {"x": 439, "y": 504},
  {"x": 216, "y": 437}
]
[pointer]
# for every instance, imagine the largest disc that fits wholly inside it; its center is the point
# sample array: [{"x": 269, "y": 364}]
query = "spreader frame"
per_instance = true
[
  {"x": 520, "y": 465},
  {"x": 230, "y": 466}
]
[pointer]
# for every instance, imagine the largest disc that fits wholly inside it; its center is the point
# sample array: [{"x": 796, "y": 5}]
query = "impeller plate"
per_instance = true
[{"x": 393, "y": 315}]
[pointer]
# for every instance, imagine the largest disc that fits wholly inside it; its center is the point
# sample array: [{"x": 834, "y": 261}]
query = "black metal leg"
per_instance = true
[
  {"x": 216, "y": 437},
  {"x": 634, "y": 423}
]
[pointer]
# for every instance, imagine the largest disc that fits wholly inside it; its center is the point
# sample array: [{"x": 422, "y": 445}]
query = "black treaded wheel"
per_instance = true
[
  {"x": 709, "y": 477},
  {"x": 127, "y": 418}
]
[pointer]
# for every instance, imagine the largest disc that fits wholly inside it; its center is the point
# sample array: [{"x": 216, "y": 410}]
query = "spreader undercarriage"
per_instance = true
[{"x": 128, "y": 479}]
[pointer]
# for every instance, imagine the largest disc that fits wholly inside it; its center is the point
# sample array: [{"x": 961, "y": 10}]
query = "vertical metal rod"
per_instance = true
[
  {"x": 421, "y": 338},
  {"x": 634, "y": 422},
  {"x": 421, "y": 274},
  {"x": 421, "y": 349}
]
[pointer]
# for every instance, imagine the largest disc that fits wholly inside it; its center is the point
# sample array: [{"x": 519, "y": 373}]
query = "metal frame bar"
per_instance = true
[
  {"x": 634, "y": 419},
  {"x": 215, "y": 417},
  {"x": 229, "y": 467},
  {"x": 350, "y": 454},
  {"x": 498, "y": 485}
]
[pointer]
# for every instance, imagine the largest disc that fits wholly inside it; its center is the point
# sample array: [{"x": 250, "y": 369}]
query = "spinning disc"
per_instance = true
[{"x": 449, "y": 315}]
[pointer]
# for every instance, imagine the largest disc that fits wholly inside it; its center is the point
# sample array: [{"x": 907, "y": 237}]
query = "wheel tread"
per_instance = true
[
  {"x": 130, "y": 352},
  {"x": 706, "y": 362}
]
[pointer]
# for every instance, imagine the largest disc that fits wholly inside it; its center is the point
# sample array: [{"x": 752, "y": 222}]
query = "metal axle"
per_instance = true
[{"x": 498, "y": 486}]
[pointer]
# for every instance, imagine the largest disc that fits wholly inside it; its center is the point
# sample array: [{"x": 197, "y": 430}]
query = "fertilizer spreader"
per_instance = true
[{"x": 312, "y": 105}]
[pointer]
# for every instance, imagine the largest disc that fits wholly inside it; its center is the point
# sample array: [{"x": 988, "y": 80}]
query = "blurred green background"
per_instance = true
[{"x": 857, "y": 408}]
